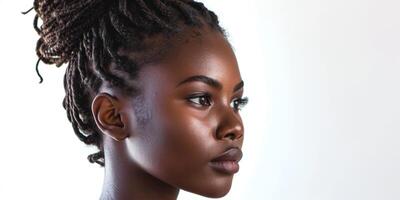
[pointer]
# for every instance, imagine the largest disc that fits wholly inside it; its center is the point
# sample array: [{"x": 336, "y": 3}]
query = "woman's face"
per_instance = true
[{"x": 186, "y": 116}]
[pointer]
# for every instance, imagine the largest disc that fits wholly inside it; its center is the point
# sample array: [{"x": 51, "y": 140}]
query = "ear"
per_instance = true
[{"x": 106, "y": 113}]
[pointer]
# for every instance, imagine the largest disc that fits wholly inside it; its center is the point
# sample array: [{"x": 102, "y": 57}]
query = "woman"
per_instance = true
[{"x": 155, "y": 86}]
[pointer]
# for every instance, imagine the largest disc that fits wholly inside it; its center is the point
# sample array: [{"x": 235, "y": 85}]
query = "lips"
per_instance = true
[
  {"x": 232, "y": 154},
  {"x": 227, "y": 162}
]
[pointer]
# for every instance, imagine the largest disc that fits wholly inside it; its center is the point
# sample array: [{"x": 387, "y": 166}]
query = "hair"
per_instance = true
[{"x": 88, "y": 34}]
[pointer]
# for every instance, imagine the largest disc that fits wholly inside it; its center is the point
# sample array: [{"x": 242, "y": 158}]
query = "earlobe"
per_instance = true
[{"x": 106, "y": 113}]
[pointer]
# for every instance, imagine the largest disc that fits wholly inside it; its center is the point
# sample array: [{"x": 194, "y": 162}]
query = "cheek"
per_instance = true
[
  {"x": 188, "y": 146},
  {"x": 175, "y": 146},
  {"x": 172, "y": 140},
  {"x": 184, "y": 139},
  {"x": 185, "y": 144}
]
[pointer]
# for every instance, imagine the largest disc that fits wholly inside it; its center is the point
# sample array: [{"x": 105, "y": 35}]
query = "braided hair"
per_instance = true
[{"x": 88, "y": 34}]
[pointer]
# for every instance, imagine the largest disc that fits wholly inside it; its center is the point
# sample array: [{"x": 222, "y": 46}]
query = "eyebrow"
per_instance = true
[{"x": 209, "y": 81}]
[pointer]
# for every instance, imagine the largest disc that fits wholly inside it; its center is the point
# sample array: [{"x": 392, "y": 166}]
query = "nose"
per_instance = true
[{"x": 231, "y": 126}]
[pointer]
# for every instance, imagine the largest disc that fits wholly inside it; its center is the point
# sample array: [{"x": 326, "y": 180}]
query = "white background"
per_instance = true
[{"x": 322, "y": 123}]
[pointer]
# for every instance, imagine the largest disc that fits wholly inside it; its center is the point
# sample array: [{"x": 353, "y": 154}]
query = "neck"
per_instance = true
[{"x": 124, "y": 180}]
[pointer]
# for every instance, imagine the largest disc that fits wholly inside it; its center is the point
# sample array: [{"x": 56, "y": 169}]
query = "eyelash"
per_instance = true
[{"x": 238, "y": 103}]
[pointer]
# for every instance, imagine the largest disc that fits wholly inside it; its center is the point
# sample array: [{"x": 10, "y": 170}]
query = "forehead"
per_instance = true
[{"x": 207, "y": 54}]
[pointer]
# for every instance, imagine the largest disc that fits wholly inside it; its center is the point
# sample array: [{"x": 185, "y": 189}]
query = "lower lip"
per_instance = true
[{"x": 227, "y": 167}]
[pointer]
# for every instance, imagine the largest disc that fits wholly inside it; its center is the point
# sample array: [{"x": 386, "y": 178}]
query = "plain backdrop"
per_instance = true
[{"x": 322, "y": 123}]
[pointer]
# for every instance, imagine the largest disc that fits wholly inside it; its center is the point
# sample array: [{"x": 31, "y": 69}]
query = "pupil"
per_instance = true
[{"x": 202, "y": 100}]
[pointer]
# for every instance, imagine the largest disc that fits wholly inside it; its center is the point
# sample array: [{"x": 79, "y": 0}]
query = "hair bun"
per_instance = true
[{"x": 64, "y": 23}]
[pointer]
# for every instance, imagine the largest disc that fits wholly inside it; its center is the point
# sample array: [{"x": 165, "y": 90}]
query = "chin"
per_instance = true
[
  {"x": 216, "y": 194},
  {"x": 217, "y": 189}
]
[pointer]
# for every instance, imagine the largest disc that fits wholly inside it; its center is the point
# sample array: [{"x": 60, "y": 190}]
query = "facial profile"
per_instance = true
[
  {"x": 165, "y": 113},
  {"x": 192, "y": 101}
]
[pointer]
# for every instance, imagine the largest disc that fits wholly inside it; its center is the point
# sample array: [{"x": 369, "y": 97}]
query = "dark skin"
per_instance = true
[{"x": 164, "y": 140}]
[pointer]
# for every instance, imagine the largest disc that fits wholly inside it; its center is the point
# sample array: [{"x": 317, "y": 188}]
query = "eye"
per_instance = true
[
  {"x": 239, "y": 103},
  {"x": 203, "y": 99}
]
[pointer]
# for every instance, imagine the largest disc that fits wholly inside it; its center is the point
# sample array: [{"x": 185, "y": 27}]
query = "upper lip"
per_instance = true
[{"x": 231, "y": 154}]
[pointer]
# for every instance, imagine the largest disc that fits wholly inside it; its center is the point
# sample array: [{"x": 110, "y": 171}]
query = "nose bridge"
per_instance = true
[{"x": 230, "y": 124}]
